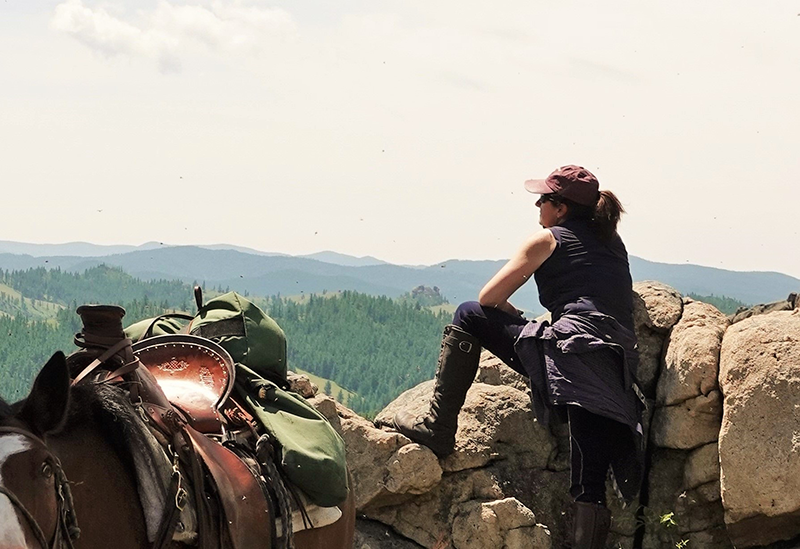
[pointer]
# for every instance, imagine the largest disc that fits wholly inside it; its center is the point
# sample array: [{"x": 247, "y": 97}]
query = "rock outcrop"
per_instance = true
[
  {"x": 497, "y": 435},
  {"x": 656, "y": 309},
  {"x": 723, "y": 445},
  {"x": 759, "y": 443}
]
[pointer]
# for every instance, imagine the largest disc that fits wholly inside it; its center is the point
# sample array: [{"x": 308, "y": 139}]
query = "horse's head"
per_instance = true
[{"x": 32, "y": 484}]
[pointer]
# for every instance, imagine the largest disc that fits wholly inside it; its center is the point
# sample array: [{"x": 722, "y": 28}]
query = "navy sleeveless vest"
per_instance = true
[{"x": 585, "y": 273}]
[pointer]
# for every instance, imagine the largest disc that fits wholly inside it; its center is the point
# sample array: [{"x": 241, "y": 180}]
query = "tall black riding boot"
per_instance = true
[
  {"x": 590, "y": 525},
  {"x": 458, "y": 363}
]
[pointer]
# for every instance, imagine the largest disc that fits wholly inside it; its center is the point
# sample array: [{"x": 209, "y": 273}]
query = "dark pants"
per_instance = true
[
  {"x": 497, "y": 330},
  {"x": 594, "y": 439}
]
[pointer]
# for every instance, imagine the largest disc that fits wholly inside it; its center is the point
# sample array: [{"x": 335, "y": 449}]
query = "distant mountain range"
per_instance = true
[
  {"x": 263, "y": 273},
  {"x": 86, "y": 249}
]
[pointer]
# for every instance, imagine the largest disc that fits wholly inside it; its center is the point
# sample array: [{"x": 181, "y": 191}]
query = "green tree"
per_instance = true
[{"x": 724, "y": 304}]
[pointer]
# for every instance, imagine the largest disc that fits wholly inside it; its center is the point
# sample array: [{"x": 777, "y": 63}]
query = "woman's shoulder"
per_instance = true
[
  {"x": 570, "y": 230},
  {"x": 541, "y": 241}
]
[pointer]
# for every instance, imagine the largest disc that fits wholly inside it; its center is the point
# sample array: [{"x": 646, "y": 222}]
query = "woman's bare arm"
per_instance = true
[{"x": 517, "y": 271}]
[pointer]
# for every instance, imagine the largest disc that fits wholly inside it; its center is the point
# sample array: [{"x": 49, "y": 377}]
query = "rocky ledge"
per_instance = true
[{"x": 723, "y": 427}]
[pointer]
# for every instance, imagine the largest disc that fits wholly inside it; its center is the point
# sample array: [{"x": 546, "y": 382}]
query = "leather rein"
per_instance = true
[{"x": 66, "y": 523}]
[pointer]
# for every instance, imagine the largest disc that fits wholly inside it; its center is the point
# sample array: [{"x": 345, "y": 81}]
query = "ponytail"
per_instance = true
[
  {"x": 607, "y": 212},
  {"x": 604, "y": 216}
]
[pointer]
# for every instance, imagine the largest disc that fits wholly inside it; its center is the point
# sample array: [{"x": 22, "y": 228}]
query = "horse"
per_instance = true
[{"x": 55, "y": 434}]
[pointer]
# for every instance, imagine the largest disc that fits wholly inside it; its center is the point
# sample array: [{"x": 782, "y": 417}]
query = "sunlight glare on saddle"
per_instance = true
[{"x": 188, "y": 394}]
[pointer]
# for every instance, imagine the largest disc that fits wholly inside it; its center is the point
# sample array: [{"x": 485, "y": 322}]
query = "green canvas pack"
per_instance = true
[
  {"x": 161, "y": 325},
  {"x": 311, "y": 452},
  {"x": 250, "y": 336}
]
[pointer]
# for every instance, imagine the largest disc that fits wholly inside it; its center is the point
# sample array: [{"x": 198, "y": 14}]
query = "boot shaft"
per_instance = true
[
  {"x": 458, "y": 364},
  {"x": 590, "y": 525}
]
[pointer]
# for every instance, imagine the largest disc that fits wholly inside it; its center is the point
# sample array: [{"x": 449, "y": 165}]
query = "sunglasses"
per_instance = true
[{"x": 550, "y": 197}]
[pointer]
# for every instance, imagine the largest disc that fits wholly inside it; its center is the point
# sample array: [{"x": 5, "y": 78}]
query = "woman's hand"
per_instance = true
[
  {"x": 509, "y": 308},
  {"x": 517, "y": 271}
]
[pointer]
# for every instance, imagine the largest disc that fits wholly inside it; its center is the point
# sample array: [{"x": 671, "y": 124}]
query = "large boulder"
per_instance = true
[
  {"x": 687, "y": 425},
  {"x": 662, "y": 305},
  {"x": 493, "y": 371},
  {"x": 688, "y": 402},
  {"x": 651, "y": 345},
  {"x": 691, "y": 361},
  {"x": 497, "y": 475},
  {"x": 791, "y": 302},
  {"x": 496, "y": 422},
  {"x": 504, "y": 523},
  {"x": 702, "y": 467},
  {"x": 656, "y": 308},
  {"x": 385, "y": 471},
  {"x": 684, "y": 505},
  {"x": 428, "y": 519},
  {"x": 759, "y": 445}
]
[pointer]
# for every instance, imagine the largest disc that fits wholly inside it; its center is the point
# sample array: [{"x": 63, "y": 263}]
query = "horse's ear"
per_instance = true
[{"x": 46, "y": 406}]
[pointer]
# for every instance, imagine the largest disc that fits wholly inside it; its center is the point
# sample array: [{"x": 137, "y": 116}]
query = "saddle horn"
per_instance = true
[{"x": 102, "y": 325}]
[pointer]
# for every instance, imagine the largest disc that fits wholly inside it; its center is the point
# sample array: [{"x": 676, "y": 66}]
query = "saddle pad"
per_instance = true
[
  {"x": 151, "y": 464},
  {"x": 318, "y": 516}
]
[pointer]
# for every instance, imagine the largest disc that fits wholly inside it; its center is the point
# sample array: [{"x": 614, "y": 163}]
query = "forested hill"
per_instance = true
[
  {"x": 99, "y": 284},
  {"x": 37, "y": 313},
  {"x": 374, "y": 347}
]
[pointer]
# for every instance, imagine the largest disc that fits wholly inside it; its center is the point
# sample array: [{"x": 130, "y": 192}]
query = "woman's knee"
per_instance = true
[{"x": 465, "y": 312}]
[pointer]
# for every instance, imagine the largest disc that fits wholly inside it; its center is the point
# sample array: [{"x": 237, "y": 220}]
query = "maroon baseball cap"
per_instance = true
[{"x": 572, "y": 182}]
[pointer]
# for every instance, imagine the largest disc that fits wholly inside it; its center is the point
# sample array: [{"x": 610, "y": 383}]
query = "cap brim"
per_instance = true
[{"x": 538, "y": 186}]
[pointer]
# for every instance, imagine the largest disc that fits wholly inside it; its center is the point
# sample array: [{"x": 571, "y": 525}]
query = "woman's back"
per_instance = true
[{"x": 586, "y": 273}]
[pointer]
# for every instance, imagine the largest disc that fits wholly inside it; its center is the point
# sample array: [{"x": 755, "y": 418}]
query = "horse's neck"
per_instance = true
[{"x": 104, "y": 491}]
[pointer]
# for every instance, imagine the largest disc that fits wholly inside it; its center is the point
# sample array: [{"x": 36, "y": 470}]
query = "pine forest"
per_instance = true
[{"x": 372, "y": 348}]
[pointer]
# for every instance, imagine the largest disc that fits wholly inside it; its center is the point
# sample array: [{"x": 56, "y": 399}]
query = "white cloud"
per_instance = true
[{"x": 171, "y": 31}]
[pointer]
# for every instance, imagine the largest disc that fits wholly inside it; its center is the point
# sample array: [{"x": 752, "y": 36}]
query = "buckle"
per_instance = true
[{"x": 465, "y": 346}]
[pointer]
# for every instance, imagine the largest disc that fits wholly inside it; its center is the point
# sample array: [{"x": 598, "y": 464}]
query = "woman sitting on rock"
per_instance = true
[{"x": 581, "y": 364}]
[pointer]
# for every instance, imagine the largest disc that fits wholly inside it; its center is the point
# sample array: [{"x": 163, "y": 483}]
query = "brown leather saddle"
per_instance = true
[{"x": 198, "y": 376}]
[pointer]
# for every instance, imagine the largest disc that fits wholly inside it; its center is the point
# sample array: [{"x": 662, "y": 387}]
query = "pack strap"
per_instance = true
[{"x": 149, "y": 331}]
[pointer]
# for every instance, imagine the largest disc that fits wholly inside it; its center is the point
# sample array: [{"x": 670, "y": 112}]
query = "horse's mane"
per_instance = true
[
  {"x": 110, "y": 406},
  {"x": 117, "y": 421}
]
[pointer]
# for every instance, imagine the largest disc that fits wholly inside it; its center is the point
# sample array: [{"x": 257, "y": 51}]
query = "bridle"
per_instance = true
[{"x": 66, "y": 523}]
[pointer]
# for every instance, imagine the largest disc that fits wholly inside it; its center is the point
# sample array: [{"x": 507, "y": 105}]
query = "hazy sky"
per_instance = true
[{"x": 402, "y": 130}]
